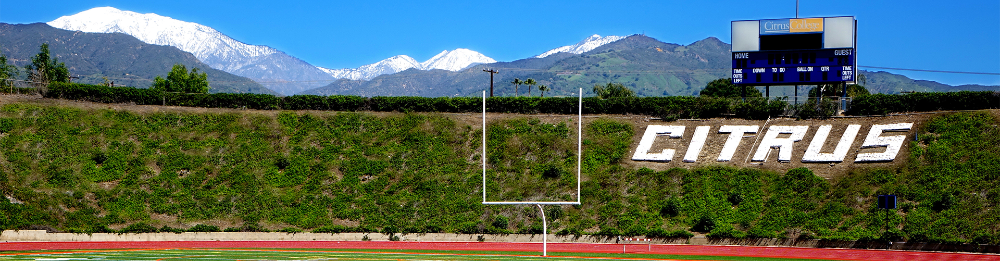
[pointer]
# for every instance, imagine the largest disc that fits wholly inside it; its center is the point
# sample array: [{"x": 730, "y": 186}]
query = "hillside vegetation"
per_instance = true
[{"x": 93, "y": 170}]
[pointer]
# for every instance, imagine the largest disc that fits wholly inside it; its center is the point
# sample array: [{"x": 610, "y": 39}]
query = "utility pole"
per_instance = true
[{"x": 492, "y": 72}]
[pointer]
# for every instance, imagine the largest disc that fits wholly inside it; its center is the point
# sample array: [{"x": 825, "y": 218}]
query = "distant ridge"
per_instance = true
[
  {"x": 453, "y": 60},
  {"x": 280, "y": 72},
  {"x": 121, "y": 58},
  {"x": 586, "y": 45}
]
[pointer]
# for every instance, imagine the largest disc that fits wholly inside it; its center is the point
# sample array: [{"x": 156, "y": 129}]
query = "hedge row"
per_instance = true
[
  {"x": 668, "y": 107},
  {"x": 877, "y": 104}
]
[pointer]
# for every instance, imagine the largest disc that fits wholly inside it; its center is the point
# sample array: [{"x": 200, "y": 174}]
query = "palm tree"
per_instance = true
[
  {"x": 517, "y": 82},
  {"x": 542, "y": 88},
  {"x": 531, "y": 85}
]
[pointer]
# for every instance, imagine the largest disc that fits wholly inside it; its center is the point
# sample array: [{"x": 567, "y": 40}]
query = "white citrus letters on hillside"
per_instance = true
[
  {"x": 781, "y": 138},
  {"x": 784, "y": 145},
  {"x": 735, "y": 137},
  {"x": 642, "y": 152},
  {"x": 892, "y": 144},
  {"x": 813, "y": 152}
]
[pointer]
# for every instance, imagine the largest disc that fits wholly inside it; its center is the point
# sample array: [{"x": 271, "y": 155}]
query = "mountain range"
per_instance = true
[
  {"x": 446, "y": 60},
  {"x": 648, "y": 66},
  {"x": 274, "y": 69},
  {"x": 121, "y": 58}
]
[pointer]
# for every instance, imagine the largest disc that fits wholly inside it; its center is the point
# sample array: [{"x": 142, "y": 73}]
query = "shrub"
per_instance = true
[
  {"x": 671, "y": 207},
  {"x": 139, "y": 228},
  {"x": 291, "y": 230},
  {"x": 166, "y": 229},
  {"x": 204, "y": 228},
  {"x": 500, "y": 222},
  {"x": 877, "y": 104},
  {"x": 334, "y": 229},
  {"x": 704, "y": 224}
]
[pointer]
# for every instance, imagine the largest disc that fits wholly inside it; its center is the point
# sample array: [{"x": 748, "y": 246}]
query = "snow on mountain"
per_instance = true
[
  {"x": 455, "y": 60},
  {"x": 260, "y": 63},
  {"x": 586, "y": 45},
  {"x": 392, "y": 65}
]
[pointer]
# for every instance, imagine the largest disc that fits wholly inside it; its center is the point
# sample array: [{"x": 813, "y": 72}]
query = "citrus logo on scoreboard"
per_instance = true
[{"x": 785, "y": 26}]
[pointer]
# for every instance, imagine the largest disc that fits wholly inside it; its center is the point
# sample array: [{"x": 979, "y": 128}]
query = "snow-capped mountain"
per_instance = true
[
  {"x": 455, "y": 60},
  {"x": 275, "y": 69},
  {"x": 586, "y": 45},
  {"x": 392, "y": 65}
]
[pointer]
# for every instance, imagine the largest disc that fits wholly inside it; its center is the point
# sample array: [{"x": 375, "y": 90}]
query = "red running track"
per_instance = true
[{"x": 554, "y": 248}]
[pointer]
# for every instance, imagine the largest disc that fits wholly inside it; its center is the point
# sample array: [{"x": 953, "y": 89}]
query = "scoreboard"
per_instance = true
[{"x": 799, "y": 51}]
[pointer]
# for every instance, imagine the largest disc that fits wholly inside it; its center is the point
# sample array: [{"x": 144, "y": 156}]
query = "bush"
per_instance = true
[
  {"x": 671, "y": 207},
  {"x": 291, "y": 230},
  {"x": 204, "y": 228},
  {"x": 704, "y": 224},
  {"x": 500, "y": 222},
  {"x": 814, "y": 109},
  {"x": 166, "y": 229},
  {"x": 334, "y": 229},
  {"x": 247, "y": 228},
  {"x": 139, "y": 228},
  {"x": 664, "y": 107},
  {"x": 878, "y": 104}
]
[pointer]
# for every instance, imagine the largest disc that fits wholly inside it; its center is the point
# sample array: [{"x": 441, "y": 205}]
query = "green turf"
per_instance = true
[{"x": 341, "y": 254}]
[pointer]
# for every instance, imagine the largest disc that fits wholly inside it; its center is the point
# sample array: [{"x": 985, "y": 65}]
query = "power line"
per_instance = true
[
  {"x": 557, "y": 72},
  {"x": 923, "y": 70}
]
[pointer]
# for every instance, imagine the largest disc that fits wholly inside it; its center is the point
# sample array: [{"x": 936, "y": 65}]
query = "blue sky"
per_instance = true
[{"x": 930, "y": 35}]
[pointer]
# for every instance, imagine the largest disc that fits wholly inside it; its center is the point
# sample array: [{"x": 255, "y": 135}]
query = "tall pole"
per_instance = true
[
  {"x": 484, "y": 145},
  {"x": 579, "y": 147},
  {"x": 492, "y": 72},
  {"x": 545, "y": 232},
  {"x": 796, "y": 8}
]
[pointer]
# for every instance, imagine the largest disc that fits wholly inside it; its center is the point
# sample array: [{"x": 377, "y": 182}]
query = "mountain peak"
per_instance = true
[
  {"x": 258, "y": 62},
  {"x": 455, "y": 60},
  {"x": 202, "y": 41},
  {"x": 586, "y": 45},
  {"x": 390, "y": 65}
]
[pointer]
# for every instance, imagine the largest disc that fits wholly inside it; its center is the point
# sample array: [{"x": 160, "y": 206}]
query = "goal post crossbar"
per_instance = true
[
  {"x": 579, "y": 158},
  {"x": 579, "y": 152}
]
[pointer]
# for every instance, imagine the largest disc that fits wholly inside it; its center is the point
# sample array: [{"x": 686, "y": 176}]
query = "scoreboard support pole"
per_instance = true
[
  {"x": 767, "y": 92},
  {"x": 796, "y": 95}
]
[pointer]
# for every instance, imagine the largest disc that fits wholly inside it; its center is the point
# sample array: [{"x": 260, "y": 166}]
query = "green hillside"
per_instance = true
[
  {"x": 76, "y": 168},
  {"x": 119, "y": 57}
]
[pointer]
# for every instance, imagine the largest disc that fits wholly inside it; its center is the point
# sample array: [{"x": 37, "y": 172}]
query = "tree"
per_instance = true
[
  {"x": 613, "y": 90},
  {"x": 45, "y": 69},
  {"x": 6, "y": 72},
  {"x": 542, "y": 88},
  {"x": 724, "y": 87},
  {"x": 179, "y": 80},
  {"x": 826, "y": 90},
  {"x": 531, "y": 85},
  {"x": 517, "y": 82}
]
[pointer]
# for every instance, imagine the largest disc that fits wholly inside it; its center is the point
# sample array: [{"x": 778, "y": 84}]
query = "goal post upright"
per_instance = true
[{"x": 579, "y": 165}]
